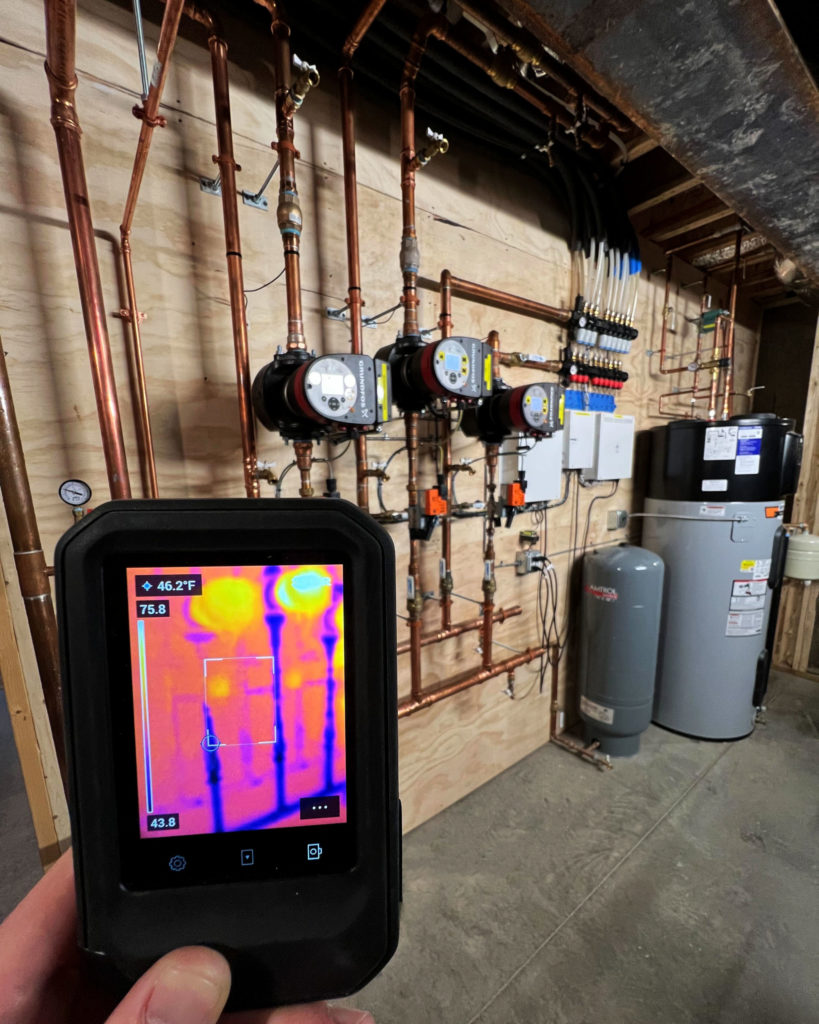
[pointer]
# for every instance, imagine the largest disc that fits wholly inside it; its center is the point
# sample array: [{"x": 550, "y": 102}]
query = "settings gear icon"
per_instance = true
[{"x": 177, "y": 863}]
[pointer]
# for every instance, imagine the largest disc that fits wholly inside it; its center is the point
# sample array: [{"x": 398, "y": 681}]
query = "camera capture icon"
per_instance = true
[{"x": 314, "y": 851}]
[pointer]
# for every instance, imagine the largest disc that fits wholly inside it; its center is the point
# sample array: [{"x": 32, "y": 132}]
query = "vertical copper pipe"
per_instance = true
[
  {"x": 415, "y": 602},
  {"x": 149, "y": 115},
  {"x": 30, "y": 561},
  {"x": 695, "y": 382},
  {"x": 361, "y": 27},
  {"x": 666, "y": 298},
  {"x": 233, "y": 254},
  {"x": 729, "y": 345},
  {"x": 354, "y": 301},
  {"x": 288, "y": 212},
  {"x": 410, "y": 254},
  {"x": 489, "y": 585},
  {"x": 445, "y": 325},
  {"x": 62, "y": 82}
]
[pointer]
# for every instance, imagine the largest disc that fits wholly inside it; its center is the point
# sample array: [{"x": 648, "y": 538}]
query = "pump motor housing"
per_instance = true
[
  {"x": 532, "y": 409},
  {"x": 305, "y": 396},
  {"x": 458, "y": 370}
]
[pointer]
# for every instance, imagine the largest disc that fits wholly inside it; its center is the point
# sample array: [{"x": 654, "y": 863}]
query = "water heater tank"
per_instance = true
[
  {"x": 620, "y": 625},
  {"x": 714, "y": 514}
]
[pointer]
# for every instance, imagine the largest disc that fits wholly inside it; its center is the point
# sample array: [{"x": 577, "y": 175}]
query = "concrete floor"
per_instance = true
[{"x": 683, "y": 886}]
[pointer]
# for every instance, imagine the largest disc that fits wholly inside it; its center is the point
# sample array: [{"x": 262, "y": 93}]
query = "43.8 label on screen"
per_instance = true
[{"x": 163, "y": 822}]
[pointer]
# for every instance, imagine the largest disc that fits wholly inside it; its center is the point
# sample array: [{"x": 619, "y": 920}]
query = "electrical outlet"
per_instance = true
[
  {"x": 527, "y": 561},
  {"x": 616, "y": 519}
]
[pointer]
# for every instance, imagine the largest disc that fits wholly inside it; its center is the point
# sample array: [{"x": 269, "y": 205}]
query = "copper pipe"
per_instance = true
[
  {"x": 415, "y": 600},
  {"x": 530, "y": 50},
  {"x": 424, "y": 700},
  {"x": 410, "y": 256},
  {"x": 427, "y": 639},
  {"x": 148, "y": 113},
  {"x": 445, "y": 325},
  {"x": 669, "y": 265},
  {"x": 233, "y": 254},
  {"x": 512, "y": 303},
  {"x": 304, "y": 461},
  {"x": 494, "y": 343},
  {"x": 361, "y": 27},
  {"x": 288, "y": 212},
  {"x": 729, "y": 345},
  {"x": 719, "y": 333},
  {"x": 695, "y": 382},
  {"x": 62, "y": 82},
  {"x": 30, "y": 562},
  {"x": 586, "y": 753},
  {"x": 354, "y": 300},
  {"x": 508, "y": 77},
  {"x": 520, "y": 359},
  {"x": 489, "y": 585}
]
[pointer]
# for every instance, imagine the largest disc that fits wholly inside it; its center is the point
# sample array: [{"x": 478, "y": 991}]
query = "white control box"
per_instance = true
[
  {"x": 613, "y": 447},
  {"x": 541, "y": 461},
  {"x": 578, "y": 438}
]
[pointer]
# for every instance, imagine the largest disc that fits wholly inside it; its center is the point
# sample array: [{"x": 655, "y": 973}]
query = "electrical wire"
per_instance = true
[
  {"x": 249, "y": 291},
  {"x": 283, "y": 474}
]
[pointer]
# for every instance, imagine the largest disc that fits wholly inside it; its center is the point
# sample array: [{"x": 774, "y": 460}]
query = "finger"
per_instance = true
[
  {"x": 315, "y": 1013},
  {"x": 187, "y": 986},
  {"x": 37, "y": 938}
]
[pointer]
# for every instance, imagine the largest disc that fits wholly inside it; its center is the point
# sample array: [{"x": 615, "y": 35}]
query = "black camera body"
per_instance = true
[{"x": 230, "y": 703}]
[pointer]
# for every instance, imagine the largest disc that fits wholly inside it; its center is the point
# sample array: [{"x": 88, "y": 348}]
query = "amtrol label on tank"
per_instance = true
[
  {"x": 749, "y": 445},
  {"x": 747, "y": 595},
  {"x": 744, "y": 623},
  {"x": 598, "y": 712},
  {"x": 720, "y": 444}
]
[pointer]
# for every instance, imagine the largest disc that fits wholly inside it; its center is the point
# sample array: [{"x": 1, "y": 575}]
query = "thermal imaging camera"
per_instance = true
[{"x": 230, "y": 704}]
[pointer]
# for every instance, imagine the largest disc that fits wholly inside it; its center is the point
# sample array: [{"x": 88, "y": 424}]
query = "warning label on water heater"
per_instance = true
[
  {"x": 744, "y": 623},
  {"x": 748, "y": 594},
  {"x": 598, "y": 712},
  {"x": 720, "y": 444}
]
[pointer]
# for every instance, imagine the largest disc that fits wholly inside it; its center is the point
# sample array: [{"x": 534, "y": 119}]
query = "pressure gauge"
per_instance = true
[{"x": 75, "y": 493}]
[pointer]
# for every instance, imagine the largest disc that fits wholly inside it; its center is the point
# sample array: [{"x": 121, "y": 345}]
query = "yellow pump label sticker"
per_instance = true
[
  {"x": 487, "y": 372},
  {"x": 561, "y": 407},
  {"x": 385, "y": 393}
]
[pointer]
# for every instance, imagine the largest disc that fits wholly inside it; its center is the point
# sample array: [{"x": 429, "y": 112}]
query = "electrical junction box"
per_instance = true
[
  {"x": 613, "y": 447},
  {"x": 578, "y": 438},
  {"x": 540, "y": 460}
]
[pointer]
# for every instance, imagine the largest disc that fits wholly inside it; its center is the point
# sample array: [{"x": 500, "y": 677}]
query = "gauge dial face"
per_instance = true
[
  {"x": 331, "y": 387},
  {"x": 535, "y": 406},
  {"x": 75, "y": 492},
  {"x": 451, "y": 365}
]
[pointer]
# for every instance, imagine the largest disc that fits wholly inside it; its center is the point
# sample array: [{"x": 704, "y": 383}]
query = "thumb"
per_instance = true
[{"x": 187, "y": 986}]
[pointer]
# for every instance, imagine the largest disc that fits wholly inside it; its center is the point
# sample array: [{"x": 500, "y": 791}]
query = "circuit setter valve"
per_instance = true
[
  {"x": 436, "y": 144},
  {"x": 305, "y": 78}
]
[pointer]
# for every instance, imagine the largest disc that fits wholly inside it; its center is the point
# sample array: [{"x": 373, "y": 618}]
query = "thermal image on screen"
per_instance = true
[{"x": 238, "y": 691}]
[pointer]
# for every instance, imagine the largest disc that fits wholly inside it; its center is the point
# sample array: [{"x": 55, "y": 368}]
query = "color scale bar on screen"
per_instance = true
[{"x": 146, "y": 723}]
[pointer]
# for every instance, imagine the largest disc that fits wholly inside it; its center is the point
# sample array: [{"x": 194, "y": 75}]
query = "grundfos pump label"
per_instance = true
[{"x": 601, "y": 593}]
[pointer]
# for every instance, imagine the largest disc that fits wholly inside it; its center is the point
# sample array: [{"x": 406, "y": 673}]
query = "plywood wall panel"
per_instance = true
[{"x": 484, "y": 221}]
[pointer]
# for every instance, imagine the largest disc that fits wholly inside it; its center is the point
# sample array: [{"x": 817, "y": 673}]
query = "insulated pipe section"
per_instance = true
[
  {"x": 233, "y": 254},
  {"x": 62, "y": 82},
  {"x": 30, "y": 562}
]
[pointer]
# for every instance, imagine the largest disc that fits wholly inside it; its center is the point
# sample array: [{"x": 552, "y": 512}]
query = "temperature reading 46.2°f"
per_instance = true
[{"x": 169, "y": 586}]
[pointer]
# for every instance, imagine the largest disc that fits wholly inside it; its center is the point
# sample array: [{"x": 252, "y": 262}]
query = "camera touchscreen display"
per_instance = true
[{"x": 238, "y": 694}]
